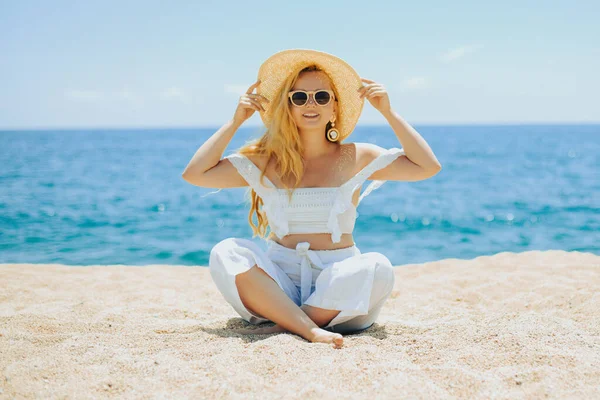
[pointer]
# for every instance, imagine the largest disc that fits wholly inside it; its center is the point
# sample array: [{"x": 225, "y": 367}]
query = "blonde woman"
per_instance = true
[{"x": 305, "y": 185}]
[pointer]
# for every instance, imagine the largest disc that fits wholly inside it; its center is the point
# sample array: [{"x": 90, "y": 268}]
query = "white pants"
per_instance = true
[{"x": 343, "y": 279}]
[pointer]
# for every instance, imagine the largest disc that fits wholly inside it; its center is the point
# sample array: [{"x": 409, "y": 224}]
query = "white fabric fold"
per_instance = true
[{"x": 308, "y": 257}]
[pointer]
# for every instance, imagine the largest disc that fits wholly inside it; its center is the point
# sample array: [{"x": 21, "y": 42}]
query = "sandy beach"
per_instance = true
[{"x": 511, "y": 325}]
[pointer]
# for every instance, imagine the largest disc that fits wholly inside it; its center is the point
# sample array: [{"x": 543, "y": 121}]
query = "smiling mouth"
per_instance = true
[{"x": 310, "y": 115}]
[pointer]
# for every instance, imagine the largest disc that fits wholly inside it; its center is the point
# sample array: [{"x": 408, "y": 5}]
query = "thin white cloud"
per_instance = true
[
  {"x": 129, "y": 96},
  {"x": 236, "y": 89},
  {"x": 415, "y": 83},
  {"x": 83, "y": 95},
  {"x": 99, "y": 96},
  {"x": 175, "y": 94},
  {"x": 458, "y": 52},
  {"x": 126, "y": 95}
]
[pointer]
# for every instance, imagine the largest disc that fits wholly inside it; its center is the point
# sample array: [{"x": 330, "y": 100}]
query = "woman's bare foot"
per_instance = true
[
  {"x": 318, "y": 335},
  {"x": 322, "y": 336}
]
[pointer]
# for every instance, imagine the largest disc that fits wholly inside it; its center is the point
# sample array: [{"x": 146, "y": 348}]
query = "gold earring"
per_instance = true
[{"x": 333, "y": 134}]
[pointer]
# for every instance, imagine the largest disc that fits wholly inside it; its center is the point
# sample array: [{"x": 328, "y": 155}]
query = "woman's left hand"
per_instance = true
[{"x": 376, "y": 94}]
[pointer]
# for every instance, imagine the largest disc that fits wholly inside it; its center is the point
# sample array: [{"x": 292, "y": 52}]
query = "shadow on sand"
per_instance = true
[{"x": 232, "y": 326}]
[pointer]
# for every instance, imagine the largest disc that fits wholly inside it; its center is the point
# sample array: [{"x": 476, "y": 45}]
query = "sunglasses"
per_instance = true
[{"x": 300, "y": 97}]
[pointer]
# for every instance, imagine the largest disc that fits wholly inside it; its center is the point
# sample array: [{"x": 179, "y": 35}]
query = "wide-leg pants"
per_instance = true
[{"x": 344, "y": 279}]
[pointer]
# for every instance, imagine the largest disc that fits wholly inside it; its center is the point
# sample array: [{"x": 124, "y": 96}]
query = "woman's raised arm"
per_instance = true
[{"x": 206, "y": 168}]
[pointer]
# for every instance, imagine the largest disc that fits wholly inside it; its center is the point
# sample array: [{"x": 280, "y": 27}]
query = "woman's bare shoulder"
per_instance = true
[
  {"x": 263, "y": 164},
  {"x": 362, "y": 153},
  {"x": 259, "y": 160}
]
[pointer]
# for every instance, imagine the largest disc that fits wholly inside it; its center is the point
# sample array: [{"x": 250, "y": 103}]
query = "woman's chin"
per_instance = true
[{"x": 311, "y": 127}]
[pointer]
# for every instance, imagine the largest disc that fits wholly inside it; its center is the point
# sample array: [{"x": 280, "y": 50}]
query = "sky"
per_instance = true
[{"x": 128, "y": 64}]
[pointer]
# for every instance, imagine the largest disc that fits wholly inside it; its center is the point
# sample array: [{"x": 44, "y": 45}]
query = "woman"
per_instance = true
[{"x": 313, "y": 280}]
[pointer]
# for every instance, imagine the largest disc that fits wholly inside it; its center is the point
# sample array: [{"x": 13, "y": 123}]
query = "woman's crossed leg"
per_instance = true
[{"x": 261, "y": 295}]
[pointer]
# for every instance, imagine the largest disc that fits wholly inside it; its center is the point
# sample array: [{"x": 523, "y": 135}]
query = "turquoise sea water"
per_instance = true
[{"x": 83, "y": 197}]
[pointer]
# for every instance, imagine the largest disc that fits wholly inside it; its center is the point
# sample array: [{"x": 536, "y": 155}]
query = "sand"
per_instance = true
[{"x": 511, "y": 325}]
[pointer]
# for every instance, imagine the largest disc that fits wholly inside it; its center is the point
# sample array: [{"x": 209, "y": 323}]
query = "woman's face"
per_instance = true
[{"x": 313, "y": 80}]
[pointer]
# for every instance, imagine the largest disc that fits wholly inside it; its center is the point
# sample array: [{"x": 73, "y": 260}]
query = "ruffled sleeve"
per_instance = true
[
  {"x": 276, "y": 216},
  {"x": 343, "y": 200},
  {"x": 271, "y": 198},
  {"x": 251, "y": 174},
  {"x": 381, "y": 161}
]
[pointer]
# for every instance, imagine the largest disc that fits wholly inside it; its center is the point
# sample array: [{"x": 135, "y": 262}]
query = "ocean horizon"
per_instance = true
[{"x": 116, "y": 196}]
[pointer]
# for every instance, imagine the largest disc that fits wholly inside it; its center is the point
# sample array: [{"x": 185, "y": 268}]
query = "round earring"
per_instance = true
[{"x": 333, "y": 134}]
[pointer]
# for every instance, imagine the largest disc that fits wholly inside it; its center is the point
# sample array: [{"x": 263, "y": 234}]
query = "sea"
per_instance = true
[{"x": 116, "y": 196}]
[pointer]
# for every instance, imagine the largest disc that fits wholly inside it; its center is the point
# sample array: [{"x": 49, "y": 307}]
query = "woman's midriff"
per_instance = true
[{"x": 318, "y": 241}]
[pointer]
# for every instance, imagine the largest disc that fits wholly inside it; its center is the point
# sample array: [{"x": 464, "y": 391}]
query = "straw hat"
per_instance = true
[{"x": 277, "y": 68}]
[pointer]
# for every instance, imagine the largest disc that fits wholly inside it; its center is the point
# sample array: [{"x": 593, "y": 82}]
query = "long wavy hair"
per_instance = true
[{"x": 280, "y": 143}]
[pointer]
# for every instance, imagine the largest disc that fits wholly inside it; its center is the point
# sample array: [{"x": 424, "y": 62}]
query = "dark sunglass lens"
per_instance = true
[
  {"x": 299, "y": 98},
  {"x": 322, "y": 97}
]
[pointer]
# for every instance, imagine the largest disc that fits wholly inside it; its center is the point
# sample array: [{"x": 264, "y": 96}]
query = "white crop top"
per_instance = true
[{"x": 316, "y": 209}]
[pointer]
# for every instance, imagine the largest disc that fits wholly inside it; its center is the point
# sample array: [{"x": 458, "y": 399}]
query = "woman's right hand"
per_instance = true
[{"x": 249, "y": 102}]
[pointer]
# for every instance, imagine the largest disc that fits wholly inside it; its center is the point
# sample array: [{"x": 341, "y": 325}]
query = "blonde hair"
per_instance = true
[{"x": 281, "y": 143}]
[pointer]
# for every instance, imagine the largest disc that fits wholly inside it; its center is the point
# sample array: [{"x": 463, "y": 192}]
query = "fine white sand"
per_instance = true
[{"x": 506, "y": 326}]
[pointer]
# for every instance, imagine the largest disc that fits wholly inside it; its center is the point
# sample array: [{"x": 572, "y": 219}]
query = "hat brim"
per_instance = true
[{"x": 277, "y": 68}]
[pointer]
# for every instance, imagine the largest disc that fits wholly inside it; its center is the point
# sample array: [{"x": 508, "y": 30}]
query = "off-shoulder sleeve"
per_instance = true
[
  {"x": 251, "y": 174},
  {"x": 385, "y": 158}
]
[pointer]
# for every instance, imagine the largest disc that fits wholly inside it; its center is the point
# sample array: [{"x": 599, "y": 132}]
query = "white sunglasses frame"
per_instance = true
[{"x": 310, "y": 93}]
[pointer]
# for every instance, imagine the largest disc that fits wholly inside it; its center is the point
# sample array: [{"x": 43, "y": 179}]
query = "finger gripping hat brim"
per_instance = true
[{"x": 277, "y": 68}]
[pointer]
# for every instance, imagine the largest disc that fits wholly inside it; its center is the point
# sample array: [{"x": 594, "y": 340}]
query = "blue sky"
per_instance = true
[{"x": 70, "y": 64}]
